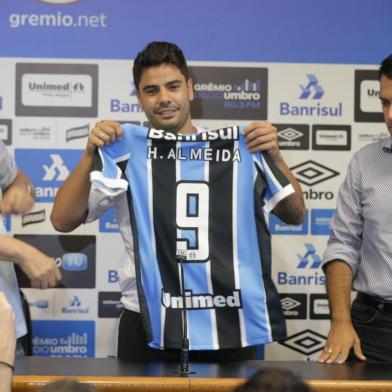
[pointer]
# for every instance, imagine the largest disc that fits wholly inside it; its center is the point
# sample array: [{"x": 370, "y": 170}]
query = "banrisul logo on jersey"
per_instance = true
[
  {"x": 229, "y": 93},
  {"x": 108, "y": 222},
  {"x": 56, "y": 90},
  {"x": 63, "y": 338},
  {"x": 47, "y": 168},
  {"x": 6, "y": 131},
  {"x": 311, "y": 173},
  {"x": 312, "y": 99},
  {"x": 74, "y": 255},
  {"x": 303, "y": 270},
  {"x": 367, "y": 97}
]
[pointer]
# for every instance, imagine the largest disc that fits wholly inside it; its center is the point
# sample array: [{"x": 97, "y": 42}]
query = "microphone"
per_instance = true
[{"x": 184, "y": 355}]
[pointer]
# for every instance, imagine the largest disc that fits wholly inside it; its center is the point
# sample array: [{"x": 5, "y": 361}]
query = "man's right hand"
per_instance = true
[
  {"x": 341, "y": 338},
  {"x": 104, "y": 133},
  {"x": 40, "y": 269}
]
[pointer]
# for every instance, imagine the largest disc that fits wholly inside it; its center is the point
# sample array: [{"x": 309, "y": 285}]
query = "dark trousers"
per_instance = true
[
  {"x": 132, "y": 346},
  {"x": 373, "y": 324}
]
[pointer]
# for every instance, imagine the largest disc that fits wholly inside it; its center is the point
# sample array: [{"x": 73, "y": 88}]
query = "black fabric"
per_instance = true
[{"x": 132, "y": 346}]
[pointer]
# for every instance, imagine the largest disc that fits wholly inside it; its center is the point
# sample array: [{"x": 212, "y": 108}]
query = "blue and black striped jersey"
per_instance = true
[{"x": 202, "y": 195}]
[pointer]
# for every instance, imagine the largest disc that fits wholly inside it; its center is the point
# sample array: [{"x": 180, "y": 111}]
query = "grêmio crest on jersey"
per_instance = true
[{"x": 202, "y": 196}]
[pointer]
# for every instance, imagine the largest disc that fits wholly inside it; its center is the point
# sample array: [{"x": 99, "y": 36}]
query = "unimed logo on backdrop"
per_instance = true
[
  {"x": 47, "y": 168},
  {"x": 331, "y": 137},
  {"x": 367, "y": 97},
  {"x": 74, "y": 255},
  {"x": 63, "y": 338},
  {"x": 56, "y": 90},
  {"x": 232, "y": 93}
]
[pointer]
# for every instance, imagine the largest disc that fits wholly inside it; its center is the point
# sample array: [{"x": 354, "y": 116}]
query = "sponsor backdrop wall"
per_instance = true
[{"x": 66, "y": 64}]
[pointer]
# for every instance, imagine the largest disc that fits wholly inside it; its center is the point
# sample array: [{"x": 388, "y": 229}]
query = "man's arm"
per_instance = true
[
  {"x": 262, "y": 136},
  {"x": 18, "y": 197},
  {"x": 70, "y": 206},
  {"x": 7, "y": 343},
  {"x": 342, "y": 336},
  {"x": 39, "y": 268}
]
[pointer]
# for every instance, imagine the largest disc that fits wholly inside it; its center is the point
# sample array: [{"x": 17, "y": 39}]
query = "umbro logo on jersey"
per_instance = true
[
  {"x": 231, "y": 133},
  {"x": 201, "y": 301}
]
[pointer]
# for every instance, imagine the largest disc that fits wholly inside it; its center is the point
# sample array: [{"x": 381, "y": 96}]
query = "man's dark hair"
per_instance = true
[
  {"x": 68, "y": 386},
  {"x": 157, "y": 53},
  {"x": 274, "y": 380},
  {"x": 386, "y": 68}
]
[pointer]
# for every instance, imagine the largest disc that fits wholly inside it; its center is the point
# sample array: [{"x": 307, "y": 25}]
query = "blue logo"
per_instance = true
[
  {"x": 63, "y": 338},
  {"x": 321, "y": 221},
  {"x": 108, "y": 222},
  {"x": 312, "y": 85},
  {"x": 7, "y": 222},
  {"x": 42, "y": 304},
  {"x": 276, "y": 226},
  {"x": 75, "y": 301},
  {"x": 74, "y": 261},
  {"x": 47, "y": 169},
  {"x": 310, "y": 259}
]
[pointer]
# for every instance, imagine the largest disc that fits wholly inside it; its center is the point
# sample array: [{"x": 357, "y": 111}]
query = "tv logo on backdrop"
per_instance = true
[
  {"x": 307, "y": 271},
  {"x": 47, "y": 168},
  {"x": 312, "y": 92},
  {"x": 74, "y": 254},
  {"x": 63, "y": 338},
  {"x": 56, "y": 90},
  {"x": 331, "y": 137},
  {"x": 312, "y": 173},
  {"x": 230, "y": 93},
  {"x": 367, "y": 107},
  {"x": 6, "y": 131}
]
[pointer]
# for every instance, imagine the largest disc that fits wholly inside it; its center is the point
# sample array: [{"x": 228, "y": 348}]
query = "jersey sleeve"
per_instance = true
[
  {"x": 106, "y": 175},
  {"x": 278, "y": 187}
]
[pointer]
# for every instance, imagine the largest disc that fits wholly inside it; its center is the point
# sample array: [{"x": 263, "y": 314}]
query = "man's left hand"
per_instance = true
[
  {"x": 16, "y": 200},
  {"x": 262, "y": 136}
]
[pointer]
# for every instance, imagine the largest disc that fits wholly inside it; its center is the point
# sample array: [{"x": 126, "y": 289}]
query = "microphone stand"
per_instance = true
[{"x": 184, "y": 356}]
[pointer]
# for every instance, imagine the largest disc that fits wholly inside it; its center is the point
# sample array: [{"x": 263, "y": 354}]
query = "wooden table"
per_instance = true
[{"x": 109, "y": 374}]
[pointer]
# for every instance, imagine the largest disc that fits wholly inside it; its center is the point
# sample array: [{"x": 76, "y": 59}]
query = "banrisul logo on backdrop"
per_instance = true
[
  {"x": 367, "y": 97},
  {"x": 47, "y": 168},
  {"x": 63, "y": 338},
  {"x": 311, "y": 173},
  {"x": 6, "y": 131},
  {"x": 229, "y": 93},
  {"x": 307, "y": 271},
  {"x": 56, "y": 90},
  {"x": 130, "y": 105},
  {"x": 73, "y": 254},
  {"x": 293, "y": 136},
  {"x": 312, "y": 100}
]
